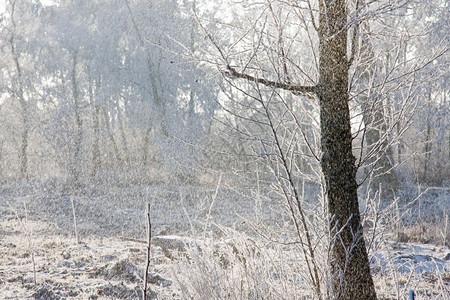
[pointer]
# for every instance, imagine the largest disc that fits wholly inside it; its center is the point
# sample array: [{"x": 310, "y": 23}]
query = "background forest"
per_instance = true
[{"x": 108, "y": 105}]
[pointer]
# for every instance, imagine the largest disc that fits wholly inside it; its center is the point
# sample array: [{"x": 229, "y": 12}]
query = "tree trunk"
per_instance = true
[
  {"x": 350, "y": 268},
  {"x": 76, "y": 164},
  {"x": 23, "y": 154},
  {"x": 95, "y": 112},
  {"x": 120, "y": 121},
  {"x": 428, "y": 141},
  {"x": 146, "y": 145},
  {"x": 384, "y": 179},
  {"x": 110, "y": 133}
]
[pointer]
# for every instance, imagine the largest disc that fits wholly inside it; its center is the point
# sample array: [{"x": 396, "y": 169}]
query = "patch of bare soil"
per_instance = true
[{"x": 108, "y": 268}]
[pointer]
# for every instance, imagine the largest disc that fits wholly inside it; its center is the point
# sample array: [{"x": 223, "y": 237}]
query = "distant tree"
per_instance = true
[
  {"x": 14, "y": 32},
  {"x": 379, "y": 165},
  {"x": 95, "y": 90}
]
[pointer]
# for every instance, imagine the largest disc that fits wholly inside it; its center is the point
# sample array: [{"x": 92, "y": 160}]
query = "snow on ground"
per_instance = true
[
  {"x": 109, "y": 261},
  {"x": 112, "y": 268},
  {"x": 99, "y": 268},
  {"x": 401, "y": 267},
  {"x": 408, "y": 258}
]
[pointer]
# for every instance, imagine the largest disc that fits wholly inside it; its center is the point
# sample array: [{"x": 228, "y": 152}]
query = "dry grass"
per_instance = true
[
  {"x": 96, "y": 269},
  {"x": 234, "y": 266}
]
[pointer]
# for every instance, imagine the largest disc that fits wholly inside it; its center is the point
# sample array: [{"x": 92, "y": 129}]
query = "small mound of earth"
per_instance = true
[
  {"x": 158, "y": 280},
  {"x": 47, "y": 292},
  {"x": 121, "y": 291},
  {"x": 121, "y": 270},
  {"x": 117, "y": 291}
]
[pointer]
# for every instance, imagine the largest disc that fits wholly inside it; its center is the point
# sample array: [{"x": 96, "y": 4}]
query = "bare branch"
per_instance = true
[{"x": 295, "y": 89}]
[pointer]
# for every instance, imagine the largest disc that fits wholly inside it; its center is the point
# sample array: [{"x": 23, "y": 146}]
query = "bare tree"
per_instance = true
[
  {"x": 265, "y": 55},
  {"x": 380, "y": 161},
  {"x": 20, "y": 94},
  {"x": 75, "y": 167},
  {"x": 350, "y": 266}
]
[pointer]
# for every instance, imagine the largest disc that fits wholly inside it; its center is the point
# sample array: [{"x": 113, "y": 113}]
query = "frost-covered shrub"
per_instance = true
[{"x": 238, "y": 267}]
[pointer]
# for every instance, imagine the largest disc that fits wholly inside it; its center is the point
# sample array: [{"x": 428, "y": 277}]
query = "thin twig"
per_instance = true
[
  {"x": 208, "y": 217},
  {"x": 147, "y": 265},
  {"x": 77, "y": 237}
]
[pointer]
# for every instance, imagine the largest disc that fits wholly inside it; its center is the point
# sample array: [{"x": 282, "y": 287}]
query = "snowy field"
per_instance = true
[{"x": 199, "y": 235}]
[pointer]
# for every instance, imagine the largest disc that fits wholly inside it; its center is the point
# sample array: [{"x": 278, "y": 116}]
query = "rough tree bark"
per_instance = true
[
  {"x": 349, "y": 262},
  {"x": 350, "y": 266}
]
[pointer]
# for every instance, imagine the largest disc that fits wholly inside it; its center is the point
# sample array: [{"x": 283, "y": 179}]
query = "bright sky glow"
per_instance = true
[{"x": 44, "y": 2}]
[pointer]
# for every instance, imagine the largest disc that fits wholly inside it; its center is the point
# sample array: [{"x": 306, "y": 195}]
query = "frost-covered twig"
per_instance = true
[
  {"x": 75, "y": 227},
  {"x": 208, "y": 217},
  {"x": 147, "y": 265}
]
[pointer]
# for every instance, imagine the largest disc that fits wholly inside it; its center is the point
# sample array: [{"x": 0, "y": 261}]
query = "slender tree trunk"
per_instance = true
[
  {"x": 96, "y": 155},
  {"x": 428, "y": 141},
  {"x": 23, "y": 154},
  {"x": 111, "y": 135},
  {"x": 76, "y": 167},
  {"x": 427, "y": 149},
  {"x": 95, "y": 112},
  {"x": 350, "y": 268},
  {"x": 384, "y": 178},
  {"x": 146, "y": 145},
  {"x": 121, "y": 121},
  {"x": 383, "y": 174},
  {"x": 399, "y": 144},
  {"x": 159, "y": 104}
]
